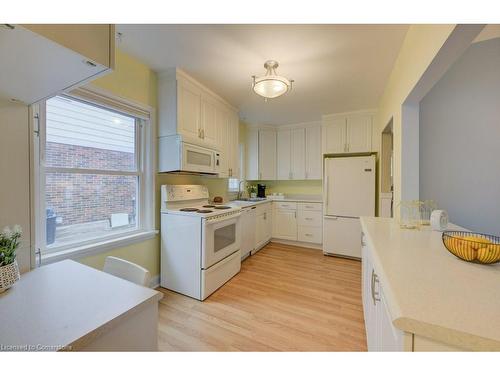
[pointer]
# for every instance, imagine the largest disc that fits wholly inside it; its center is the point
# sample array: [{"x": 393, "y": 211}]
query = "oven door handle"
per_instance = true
[{"x": 224, "y": 218}]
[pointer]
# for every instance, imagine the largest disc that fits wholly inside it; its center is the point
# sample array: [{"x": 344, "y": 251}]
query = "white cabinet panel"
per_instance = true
[
  {"x": 309, "y": 234},
  {"x": 310, "y": 206},
  {"x": 233, "y": 154},
  {"x": 34, "y": 67},
  {"x": 252, "y": 154},
  {"x": 342, "y": 236},
  {"x": 310, "y": 218},
  {"x": 189, "y": 109},
  {"x": 285, "y": 224},
  {"x": 313, "y": 153},
  {"x": 222, "y": 123},
  {"x": 285, "y": 205},
  {"x": 263, "y": 228},
  {"x": 208, "y": 127},
  {"x": 267, "y": 154},
  {"x": 359, "y": 133},
  {"x": 389, "y": 338},
  {"x": 283, "y": 152},
  {"x": 298, "y": 154},
  {"x": 334, "y": 136}
]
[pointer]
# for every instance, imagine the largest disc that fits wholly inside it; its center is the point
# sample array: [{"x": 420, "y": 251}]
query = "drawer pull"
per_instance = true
[
  {"x": 309, "y": 206},
  {"x": 309, "y": 218},
  {"x": 308, "y": 234}
]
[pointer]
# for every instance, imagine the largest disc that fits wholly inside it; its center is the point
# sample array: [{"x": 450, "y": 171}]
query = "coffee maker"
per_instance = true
[{"x": 261, "y": 191}]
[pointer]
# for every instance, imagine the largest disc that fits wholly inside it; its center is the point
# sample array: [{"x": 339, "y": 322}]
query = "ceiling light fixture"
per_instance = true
[{"x": 271, "y": 85}]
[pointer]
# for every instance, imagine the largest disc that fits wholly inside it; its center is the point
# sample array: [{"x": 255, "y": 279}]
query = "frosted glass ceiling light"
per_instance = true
[{"x": 271, "y": 85}]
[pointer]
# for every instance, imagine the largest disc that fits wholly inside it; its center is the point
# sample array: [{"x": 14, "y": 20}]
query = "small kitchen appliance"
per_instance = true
[{"x": 261, "y": 190}]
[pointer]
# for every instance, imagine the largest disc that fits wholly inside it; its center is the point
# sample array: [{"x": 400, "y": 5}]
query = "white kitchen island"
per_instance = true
[
  {"x": 70, "y": 306},
  {"x": 419, "y": 297}
]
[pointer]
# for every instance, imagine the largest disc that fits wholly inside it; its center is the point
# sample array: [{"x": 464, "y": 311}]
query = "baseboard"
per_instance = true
[
  {"x": 299, "y": 243},
  {"x": 155, "y": 282}
]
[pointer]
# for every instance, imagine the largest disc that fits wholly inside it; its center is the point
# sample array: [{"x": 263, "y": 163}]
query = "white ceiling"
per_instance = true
[{"x": 336, "y": 68}]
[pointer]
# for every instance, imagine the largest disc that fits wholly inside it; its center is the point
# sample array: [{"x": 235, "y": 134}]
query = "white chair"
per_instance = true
[{"x": 127, "y": 270}]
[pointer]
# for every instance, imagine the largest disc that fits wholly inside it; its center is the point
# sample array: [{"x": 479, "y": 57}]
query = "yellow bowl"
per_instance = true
[{"x": 473, "y": 247}]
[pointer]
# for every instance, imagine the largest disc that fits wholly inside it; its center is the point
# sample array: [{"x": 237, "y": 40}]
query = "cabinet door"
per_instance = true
[
  {"x": 313, "y": 153},
  {"x": 359, "y": 133},
  {"x": 334, "y": 136},
  {"x": 260, "y": 229},
  {"x": 283, "y": 153},
  {"x": 269, "y": 223},
  {"x": 389, "y": 338},
  {"x": 188, "y": 111},
  {"x": 285, "y": 224},
  {"x": 369, "y": 306},
  {"x": 208, "y": 121},
  {"x": 222, "y": 123},
  {"x": 298, "y": 154},
  {"x": 267, "y": 154},
  {"x": 252, "y": 154}
]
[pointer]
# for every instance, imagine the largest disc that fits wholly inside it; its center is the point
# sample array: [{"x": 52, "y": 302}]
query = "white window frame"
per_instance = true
[{"x": 146, "y": 163}]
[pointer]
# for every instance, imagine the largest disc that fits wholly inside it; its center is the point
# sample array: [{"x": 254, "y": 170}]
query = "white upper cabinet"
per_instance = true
[
  {"x": 295, "y": 155},
  {"x": 298, "y": 154},
  {"x": 313, "y": 153},
  {"x": 40, "y": 61},
  {"x": 208, "y": 124},
  {"x": 189, "y": 111},
  {"x": 283, "y": 153},
  {"x": 359, "y": 133},
  {"x": 334, "y": 135},
  {"x": 267, "y": 154},
  {"x": 200, "y": 117},
  {"x": 347, "y": 133}
]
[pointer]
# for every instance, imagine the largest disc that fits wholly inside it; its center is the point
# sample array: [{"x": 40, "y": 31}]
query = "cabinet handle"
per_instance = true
[
  {"x": 308, "y": 234},
  {"x": 202, "y": 133},
  {"x": 374, "y": 280},
  {"x": 260, "y": 176},
  {"x": 199, "y": 133},
  {"x": 295, "y": 214},
  {"x": 309, "y": 206},
  {"x": 306, "y": 175},
  {"x": 309, "y": 218},
  {"x": 265, "y": 215}
]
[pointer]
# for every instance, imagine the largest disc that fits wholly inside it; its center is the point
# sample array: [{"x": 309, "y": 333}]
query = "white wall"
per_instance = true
[
  {"x": 14, "y": 175},
  {"x": 460, "y": 139}
]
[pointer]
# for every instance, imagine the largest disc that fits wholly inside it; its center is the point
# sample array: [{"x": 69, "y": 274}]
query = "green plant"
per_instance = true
[
  {"x": 252, "y": 189},
  {"x": 9, "y": 242}
]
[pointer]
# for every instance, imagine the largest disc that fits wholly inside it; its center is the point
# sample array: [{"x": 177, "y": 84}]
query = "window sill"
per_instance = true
[{"x": 97, "y": 248}]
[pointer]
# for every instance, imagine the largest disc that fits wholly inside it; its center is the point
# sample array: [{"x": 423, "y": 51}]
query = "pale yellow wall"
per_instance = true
[
  {"x": 131, "y": 80},
  {"x": 135, "y": 81},
  {"x": 421, "y": 45}
]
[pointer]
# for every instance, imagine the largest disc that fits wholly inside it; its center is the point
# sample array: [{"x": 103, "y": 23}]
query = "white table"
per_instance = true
[{"x": 69, "y": 306}]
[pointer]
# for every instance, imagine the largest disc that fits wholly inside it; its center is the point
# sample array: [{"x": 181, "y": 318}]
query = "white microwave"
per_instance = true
[{"x": 176, "y": 155}]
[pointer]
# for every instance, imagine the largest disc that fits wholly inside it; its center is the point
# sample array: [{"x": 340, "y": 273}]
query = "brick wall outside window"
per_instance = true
[{"x": 82, "y": 198}]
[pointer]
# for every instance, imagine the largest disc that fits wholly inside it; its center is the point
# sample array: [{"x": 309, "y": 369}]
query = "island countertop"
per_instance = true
[
  {"x": 432, "y": 293},
  {"x": 65, "y": 306}
]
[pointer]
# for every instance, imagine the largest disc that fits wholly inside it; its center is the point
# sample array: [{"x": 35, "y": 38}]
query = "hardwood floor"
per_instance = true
[{"x": 285, "y": 298}]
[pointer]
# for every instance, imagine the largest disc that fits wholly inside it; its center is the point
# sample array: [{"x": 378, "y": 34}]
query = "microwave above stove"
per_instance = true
[{"x": 177, "y": 156}]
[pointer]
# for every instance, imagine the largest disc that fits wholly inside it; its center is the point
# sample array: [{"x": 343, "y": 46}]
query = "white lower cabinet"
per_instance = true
[
  {"x": 285, "y": 224},
  {"x": 263, "y": 225},
  {"x": 381, "y": 335},
  {"x": 301, "y": 222}
]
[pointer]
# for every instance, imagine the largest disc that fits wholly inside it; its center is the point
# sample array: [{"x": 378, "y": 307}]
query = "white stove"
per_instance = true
[{"x": 200, "y": 244}]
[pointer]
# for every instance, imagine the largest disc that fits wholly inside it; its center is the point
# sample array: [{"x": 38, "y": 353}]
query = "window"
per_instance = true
[{"x": 91, "y": 183}]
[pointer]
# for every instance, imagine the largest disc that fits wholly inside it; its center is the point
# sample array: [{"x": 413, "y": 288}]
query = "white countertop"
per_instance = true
[
  {"x": 64, "y": 305},
  {"x": 432, "y": 293}
]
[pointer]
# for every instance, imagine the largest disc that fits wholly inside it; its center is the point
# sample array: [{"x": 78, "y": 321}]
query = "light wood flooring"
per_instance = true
[{"x": 285, "y": 298}]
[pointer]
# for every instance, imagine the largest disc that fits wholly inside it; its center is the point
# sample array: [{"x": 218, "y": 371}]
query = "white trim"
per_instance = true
[
  {"x": 99, "y": 247},
  {"x": 308, "y": 245},
  {"x": 91, "y": 171},
  {"x": 145, "y": 153}
]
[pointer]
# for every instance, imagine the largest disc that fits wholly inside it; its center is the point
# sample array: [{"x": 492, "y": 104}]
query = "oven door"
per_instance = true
[
  {"x": 198, "y": 159},
  {"x": 220, "y": 238}
]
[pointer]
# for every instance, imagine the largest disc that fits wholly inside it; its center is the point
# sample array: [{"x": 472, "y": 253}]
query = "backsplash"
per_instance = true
[{"x": 301, "y": 187}]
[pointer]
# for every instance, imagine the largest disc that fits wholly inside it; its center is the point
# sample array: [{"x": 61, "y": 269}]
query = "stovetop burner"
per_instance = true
[
  {"x": 209, "y": 206},
  {"x": 188, "y": 209},
  {"x": 221, "y": 207},
  {"x": 204, "y": 211}
]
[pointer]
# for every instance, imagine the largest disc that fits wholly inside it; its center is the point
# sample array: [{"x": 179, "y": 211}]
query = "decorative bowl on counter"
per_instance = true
[{"x": 473, "y": 247}]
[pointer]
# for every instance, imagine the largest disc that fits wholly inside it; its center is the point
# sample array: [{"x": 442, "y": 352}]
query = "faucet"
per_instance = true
[{"x": 239, "y": 189}]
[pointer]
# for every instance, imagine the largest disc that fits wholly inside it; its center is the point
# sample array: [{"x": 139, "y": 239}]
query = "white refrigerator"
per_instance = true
[{"x": 348, "y": 193}]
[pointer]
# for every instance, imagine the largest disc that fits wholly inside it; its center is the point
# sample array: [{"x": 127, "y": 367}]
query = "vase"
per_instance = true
[{"x": 9, "y": 275}]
